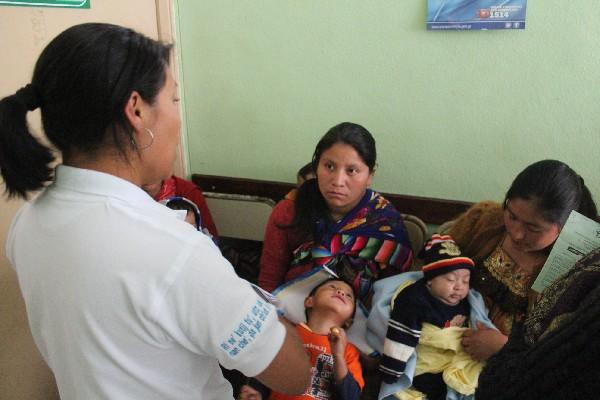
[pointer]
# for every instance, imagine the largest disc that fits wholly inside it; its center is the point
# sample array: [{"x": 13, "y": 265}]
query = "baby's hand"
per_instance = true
[
  {"x": 249, "y": 393},
  {"x": 458, "y": 320},
  {"x": 337, "y": 340}
]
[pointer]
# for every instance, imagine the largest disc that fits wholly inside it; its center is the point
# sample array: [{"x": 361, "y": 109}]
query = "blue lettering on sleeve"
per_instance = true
[
  {"x": 258, "y": 325},
  {"x": 247, "y": 329},
  {"x": 263, "y": 315},
  {"x": 241, "y": 330}
]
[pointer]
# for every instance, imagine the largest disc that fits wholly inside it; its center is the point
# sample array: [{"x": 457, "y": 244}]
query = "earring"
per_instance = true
[{"x": 151, "y": 139}]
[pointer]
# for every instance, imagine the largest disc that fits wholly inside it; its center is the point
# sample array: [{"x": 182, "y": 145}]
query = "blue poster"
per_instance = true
[{"x": 475, "y": 14}]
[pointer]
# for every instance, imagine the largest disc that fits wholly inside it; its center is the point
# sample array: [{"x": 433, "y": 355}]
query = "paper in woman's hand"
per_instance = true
[{"x": 578, "y": 237}]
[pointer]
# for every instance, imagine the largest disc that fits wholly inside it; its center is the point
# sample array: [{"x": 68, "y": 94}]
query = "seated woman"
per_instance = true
[
  {"x": 555, "y": 354},
  {"x": 336, "y": 217},
  {"x": 510, "y": 242}
]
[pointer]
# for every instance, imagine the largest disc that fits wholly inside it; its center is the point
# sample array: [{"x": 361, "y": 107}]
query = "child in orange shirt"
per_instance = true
[{"x": 330, "y": 308}]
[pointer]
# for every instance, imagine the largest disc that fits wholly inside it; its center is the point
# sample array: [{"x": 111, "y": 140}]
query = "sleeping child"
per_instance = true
[{"x": 429, "y": 317}]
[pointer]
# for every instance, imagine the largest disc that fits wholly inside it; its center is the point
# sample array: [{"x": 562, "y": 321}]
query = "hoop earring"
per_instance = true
[{"x": 151, "y": 139}]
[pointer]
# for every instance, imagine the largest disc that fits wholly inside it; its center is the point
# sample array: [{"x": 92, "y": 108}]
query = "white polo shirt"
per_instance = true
[{"x": 125, "y": 301}]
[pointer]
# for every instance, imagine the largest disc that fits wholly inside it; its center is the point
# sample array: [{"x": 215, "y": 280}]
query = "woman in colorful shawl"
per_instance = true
[{"x": 336, "y": 217}]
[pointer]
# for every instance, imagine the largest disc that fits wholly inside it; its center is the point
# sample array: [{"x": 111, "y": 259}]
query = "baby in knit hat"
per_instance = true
[
  {"x": 191, "y": 213},
  {"x": 439, "y": 299}
]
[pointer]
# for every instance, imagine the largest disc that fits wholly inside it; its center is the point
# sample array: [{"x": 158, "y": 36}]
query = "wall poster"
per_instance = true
[{"x": 475, "y": 14}]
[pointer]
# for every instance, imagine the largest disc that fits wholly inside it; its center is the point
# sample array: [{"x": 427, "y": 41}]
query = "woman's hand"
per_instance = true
[
  {"x": 249, "y": 393},
  {"x": 483, "y": 342}
]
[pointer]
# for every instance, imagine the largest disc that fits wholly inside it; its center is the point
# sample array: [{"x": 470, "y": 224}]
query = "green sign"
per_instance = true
[{"x": 47, "y": 3}]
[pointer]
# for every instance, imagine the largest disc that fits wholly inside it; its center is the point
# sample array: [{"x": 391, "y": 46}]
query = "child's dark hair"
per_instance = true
[
  {"x": 325, "y": 282},
  {"x": 555, "y": 188},
  {"x": 305, "y": 171},
  {"x": 181, "y": 203},
  {"x": 310, "y": 205},
  {"x": 82, "y": 82}
]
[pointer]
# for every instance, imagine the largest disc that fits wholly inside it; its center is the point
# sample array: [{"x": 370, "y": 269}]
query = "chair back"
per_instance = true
[
  {"x": 240, "y": 216},
  {"x": 417, "y": 232}
]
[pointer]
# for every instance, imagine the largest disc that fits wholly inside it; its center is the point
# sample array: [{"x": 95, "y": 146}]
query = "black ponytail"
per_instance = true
[
  {"x": 309, "y": 207},
  {"x": 24, "y": 161},
  {"x": 82, "y": 82},
  {"x": 587, "y": 206}
]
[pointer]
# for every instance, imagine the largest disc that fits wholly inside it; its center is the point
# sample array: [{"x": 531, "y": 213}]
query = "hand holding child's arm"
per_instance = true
[{"x": 338, "y": 341}]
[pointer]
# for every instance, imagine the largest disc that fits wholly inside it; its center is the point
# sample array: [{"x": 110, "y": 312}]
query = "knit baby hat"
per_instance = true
[{"x": 442, "y": 255}]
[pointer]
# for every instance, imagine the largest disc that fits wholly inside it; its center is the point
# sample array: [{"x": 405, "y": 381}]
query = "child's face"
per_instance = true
[
  {"x": 333, "y": 295},
  {"x": 300, "y": 179},
  {"x": 451, "y": 287}
]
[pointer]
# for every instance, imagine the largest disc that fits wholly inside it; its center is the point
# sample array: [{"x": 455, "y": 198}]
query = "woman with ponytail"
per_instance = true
[
  {"x": 124, "y": 300},
  {"x": 335, "y": 219},
  {"x": 510, "y": 242}
]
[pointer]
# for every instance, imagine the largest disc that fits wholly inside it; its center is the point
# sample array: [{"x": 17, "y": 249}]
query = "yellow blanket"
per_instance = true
[{"x": 439, "y": 350}]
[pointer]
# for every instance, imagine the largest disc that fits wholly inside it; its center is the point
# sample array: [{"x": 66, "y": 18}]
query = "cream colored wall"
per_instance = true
[{"x": 25, "y": 32}]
